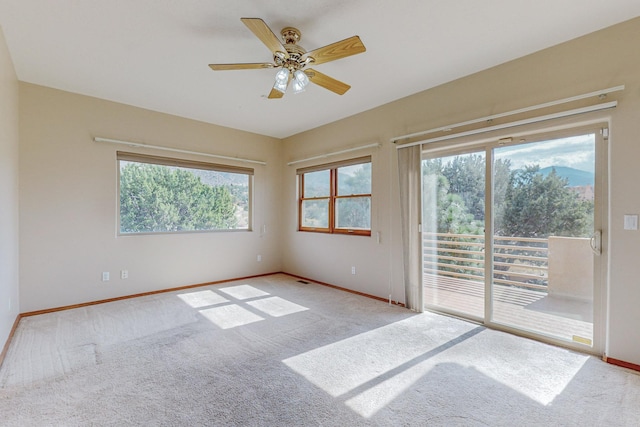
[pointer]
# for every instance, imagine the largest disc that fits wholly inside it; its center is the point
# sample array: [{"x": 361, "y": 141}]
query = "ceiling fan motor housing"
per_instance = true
[{"x": 291, "y": 36}]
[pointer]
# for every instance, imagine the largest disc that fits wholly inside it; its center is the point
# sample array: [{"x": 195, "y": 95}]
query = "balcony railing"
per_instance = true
[
  {"x": 541, "y": 285},
  {"x": 517, "y": 261}
]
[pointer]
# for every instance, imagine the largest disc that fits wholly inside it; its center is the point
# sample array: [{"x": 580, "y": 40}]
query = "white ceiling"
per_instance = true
[{"x": 154, "y": 53}]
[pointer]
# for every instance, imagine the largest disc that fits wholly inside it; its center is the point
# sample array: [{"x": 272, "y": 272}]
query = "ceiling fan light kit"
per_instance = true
[
  {"x": 300, "y": 81},
  {"x": 282, "y": 80},
  {"x": 292, "y": 59}
]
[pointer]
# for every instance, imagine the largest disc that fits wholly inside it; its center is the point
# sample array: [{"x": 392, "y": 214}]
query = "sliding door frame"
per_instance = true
[{"x": 598, "y": 123}]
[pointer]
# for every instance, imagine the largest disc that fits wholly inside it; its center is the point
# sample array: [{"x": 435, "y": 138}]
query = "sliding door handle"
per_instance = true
[{"x": 596, "y": 242}]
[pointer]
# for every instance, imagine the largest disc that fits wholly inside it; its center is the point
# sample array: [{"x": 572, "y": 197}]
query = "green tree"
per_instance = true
[
  {"x": 466, "y": 179},
  {"x": 444, "y": 211},
  {"x": 541, "y": 206},
  {"x": 354, "y": 212},
  {"x": 357, "y": 182},
  {"x": 156, "y": 198},
  {"x": 525, "y": 204},
  {"x": 501, "y": 181},
  {"x": 454, "y": 194}
]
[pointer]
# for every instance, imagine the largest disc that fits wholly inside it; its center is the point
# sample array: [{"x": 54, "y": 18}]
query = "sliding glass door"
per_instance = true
[
  {"x": 512, "y": 234},
  {"x": 545, "y": 232},
  {"x": 453, "y": 233}
]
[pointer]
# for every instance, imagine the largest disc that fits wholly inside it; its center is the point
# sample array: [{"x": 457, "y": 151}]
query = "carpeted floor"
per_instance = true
[{"x": 275, "y": 352}]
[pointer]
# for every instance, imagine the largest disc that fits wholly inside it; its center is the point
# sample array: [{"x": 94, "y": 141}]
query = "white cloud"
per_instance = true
[{"x": 576, "y": 152}]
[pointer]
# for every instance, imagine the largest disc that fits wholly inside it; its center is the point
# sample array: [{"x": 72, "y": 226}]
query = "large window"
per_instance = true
[
  {"x": 161, "y": 195},
  {"x": 336, "y": 198}
]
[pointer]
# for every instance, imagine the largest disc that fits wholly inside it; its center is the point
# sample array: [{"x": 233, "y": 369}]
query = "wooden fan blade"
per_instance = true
[
  {"x": 222, "y": 67},
  {"x": 342, "y": 49},
  {"x": 327, "y": 82},
  {"x": 275, "y": 94},
  {"x": 264, "y": 33}
]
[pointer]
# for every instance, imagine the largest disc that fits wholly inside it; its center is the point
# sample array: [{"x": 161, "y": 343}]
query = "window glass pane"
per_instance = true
[
  {"x": 317, "y": 184},
  {"x": 355, "y": 179},
  {"x": 353, "y": 213},
  {"x": 315, "y": 213},
  {"x": 158, "y": 198}
]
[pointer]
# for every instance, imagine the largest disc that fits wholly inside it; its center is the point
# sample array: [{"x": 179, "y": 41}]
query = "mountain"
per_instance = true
[
  {"x": 216, "y": 178},
  {"x": 576, "y": 177}
]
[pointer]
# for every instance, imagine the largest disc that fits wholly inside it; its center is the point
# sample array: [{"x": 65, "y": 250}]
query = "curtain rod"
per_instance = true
[
  {"x": 538, "y": 119},
  {"x": 322, "y": 156},
  {"x": 176, "y": 150},
  {"x": 598, "y": 93}
]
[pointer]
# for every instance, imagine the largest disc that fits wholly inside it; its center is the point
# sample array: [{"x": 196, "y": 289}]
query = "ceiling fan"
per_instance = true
[{"x": 292, "y": 59}]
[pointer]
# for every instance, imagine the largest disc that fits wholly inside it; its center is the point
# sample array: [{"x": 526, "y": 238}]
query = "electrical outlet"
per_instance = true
[
  {"x": 124, "y": 274},
  {"x": 105, "y": 276},
  {"x": 259, "y": 258},
  {"x": 353, "y": 270}
]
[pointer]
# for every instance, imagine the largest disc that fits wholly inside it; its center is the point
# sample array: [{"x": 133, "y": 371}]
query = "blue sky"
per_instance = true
[{"x": 575, "y": 152}]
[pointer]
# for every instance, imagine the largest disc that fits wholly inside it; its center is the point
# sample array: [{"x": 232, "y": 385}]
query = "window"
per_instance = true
[
  {"x": 336, "y": 198},
  {"x": 161, "y": 195}
]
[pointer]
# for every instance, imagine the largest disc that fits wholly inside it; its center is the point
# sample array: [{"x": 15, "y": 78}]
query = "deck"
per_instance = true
[{"x": 532, "y": 310}]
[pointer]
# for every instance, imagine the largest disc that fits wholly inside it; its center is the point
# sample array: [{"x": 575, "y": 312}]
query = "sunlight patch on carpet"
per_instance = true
[
  {"x": 230, "y": 316},
  {"x": 202, "y": 298},
  {"x": 369, "y": 380},
  {"x": 550, "y": 376},
  {"x": 243, "y": 292},
  {"x": 276, "y": 306},
  {"x": 241, "y": 307},
  {"x": 368, "y": 402}
]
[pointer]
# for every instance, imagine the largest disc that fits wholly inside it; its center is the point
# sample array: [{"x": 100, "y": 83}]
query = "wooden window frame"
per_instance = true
[{"x": 331, "y": 198}]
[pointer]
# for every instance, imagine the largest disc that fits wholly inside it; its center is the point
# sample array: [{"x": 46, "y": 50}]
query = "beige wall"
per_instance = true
[
  {"x": 68, "y": 203},
  {"x": 68, "y": 185},
  {"x": 597, "y": 61},
  {"x": 9, "y": 304}
]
